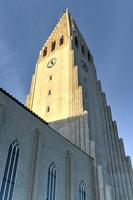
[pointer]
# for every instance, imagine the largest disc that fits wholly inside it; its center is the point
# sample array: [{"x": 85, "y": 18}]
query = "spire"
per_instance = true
[
  {"x": 67, "y": 10},
  {"x": 55, "y": 93},
  {"x": 62, "y": 28}
]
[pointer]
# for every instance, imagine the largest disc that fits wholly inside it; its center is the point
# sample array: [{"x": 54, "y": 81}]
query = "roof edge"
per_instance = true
[
  {"x": 39, "y": 118},
  {"x": 21, "y": 104}
]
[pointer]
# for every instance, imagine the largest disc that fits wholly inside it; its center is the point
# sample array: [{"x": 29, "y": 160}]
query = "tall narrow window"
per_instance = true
[
  {"x": 49, "y": 92},
  {"x": 85, "y": 94},
  {"x": 76, "y": 42},
  {"x": 48, "y": 109},
  {"x": 89, "y": 56},
  {"x": 8, "y": 182},
  {"x": 85, "y": 80},
  {"x": 50, "y": 77},
  {"x": 84, "y": 66},
  {"x": 45, "y": 52},
  {"x": 61, "y": 40},
  {"x": 82, "y": 49},
  {"x": 82, "y": 193},
  {"x": 53, "y": 45},
  {"x": 51, "y": 182}
]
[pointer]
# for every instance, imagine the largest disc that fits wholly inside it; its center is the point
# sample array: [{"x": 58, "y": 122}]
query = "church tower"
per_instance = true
[
  {"x": 57, "y": 90},
  {"x": 65, "y": 93}
]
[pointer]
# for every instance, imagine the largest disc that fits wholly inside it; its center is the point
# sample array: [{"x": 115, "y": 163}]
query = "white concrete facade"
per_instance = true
[{"x": 40, "y": 145}]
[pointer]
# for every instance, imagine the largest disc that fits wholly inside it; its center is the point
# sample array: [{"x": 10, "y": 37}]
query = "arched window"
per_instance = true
[
  {"x": 45, "y": 52},
  {"x": 82, "y": 193},
  {"x": 51, "y": 182},
  {"x": 10, "y": 171},
  {"x": 61, "y": 40}
]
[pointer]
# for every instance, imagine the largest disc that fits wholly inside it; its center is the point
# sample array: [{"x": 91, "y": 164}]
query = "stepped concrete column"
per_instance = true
[
  {"x": 118, "y": 161},
  {"x": 77, "y": 131},
  {"x": 69, "y": 176},
  {"x": 82, "y": 141},
  {"x": 35, "y": 165},
  {"x": 2, "y": 111},
  {"x": 110, "y": 164},
  {"x": 115, "y": 156},
  {"x": 86, "y": 133},
  {"x": 108, "y": 192},
  {"x": 130, "y": 171},
  {"x": 93, "y": 155},
  {"x": 125, "y": 171},
  {"x": 100, "y": 182}
]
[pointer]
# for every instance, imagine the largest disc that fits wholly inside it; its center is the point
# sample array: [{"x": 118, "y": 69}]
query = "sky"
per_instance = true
[{"x": 107, "y": 27}]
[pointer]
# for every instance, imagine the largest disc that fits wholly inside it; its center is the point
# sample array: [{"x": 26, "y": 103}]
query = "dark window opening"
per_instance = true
[
  {"x": 85, "y": 80},
  {"x": 89, "y": 56},
  {"x": 50, "y": 78},
  {"x": 48, "y": 109},
  {"x": 53, "y": 45},
  {"x": 61, "y": 40},
  {"x": 76, "y": 42},
  {"x": 84, "y": 66},
  {"x": 82, "y": 49},
  {"x": 49, "y": 92},
  {"x": 45, "y": 52},
  {"x": 86, "y": 69},
  {"x": 85, "y": 94}
]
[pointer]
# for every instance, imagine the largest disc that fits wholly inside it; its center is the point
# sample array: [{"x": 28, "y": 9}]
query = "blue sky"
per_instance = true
[{"x": 107, "y": 27}]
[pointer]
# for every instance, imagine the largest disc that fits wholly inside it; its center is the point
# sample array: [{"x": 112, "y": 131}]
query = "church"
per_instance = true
[{"x": 63, "y": 144}]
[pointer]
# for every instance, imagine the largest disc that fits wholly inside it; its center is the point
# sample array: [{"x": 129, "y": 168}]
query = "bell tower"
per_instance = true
[
  {"x": 66, "y": 93},
  {"x": 57, "y": 90}
]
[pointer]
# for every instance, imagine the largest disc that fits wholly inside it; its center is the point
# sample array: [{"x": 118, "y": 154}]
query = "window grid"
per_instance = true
[
  {"x": 51, "y": 187},
  {"x": 10, "y": 171},
  {"x": 82, "y": 193}
]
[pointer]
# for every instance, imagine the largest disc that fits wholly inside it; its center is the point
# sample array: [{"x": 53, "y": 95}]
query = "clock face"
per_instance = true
[{"x": 51, "y": 63}]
